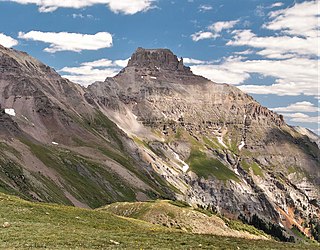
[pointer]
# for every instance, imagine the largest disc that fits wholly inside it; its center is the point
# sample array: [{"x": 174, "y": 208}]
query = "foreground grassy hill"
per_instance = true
[
  {"x": 179, "y": 215},
  {"x": 27, "y": 225}
]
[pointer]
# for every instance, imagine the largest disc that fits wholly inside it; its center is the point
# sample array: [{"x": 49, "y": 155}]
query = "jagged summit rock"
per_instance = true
[
  {"x": 148, "y": 66},
  {"x": 157, "y": 58}
]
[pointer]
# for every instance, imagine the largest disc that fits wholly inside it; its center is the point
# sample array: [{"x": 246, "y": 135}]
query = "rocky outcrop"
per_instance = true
[
  {"x": 160, "y": 59},
  {"x": 7, "y": 126},
  {"x": 179, "y": 114}
]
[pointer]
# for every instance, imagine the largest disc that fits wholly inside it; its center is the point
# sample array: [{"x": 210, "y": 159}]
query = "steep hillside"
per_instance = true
[
  {"x": 155, "y": 130},
  {"x": 179, "y": 215},
  {"x": 26, "y": 225},
  {"x": 214, "y": 143},
  {"x": 57, "y": 147}
]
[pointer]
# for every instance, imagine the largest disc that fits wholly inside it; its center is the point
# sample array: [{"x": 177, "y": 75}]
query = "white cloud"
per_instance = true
[
  {"x": 301, "y": 19},
  {"x": 220, "y": 73},
  {"x": 202, "y": 35},
  {"x": 89, "y": 72},
  {"x": 219, "y": 26},
  {"x": 98, "y": 63},
  {"x": 293, "y": 76},
  {"x": 296, "y": 112},
  {"x": 214, "y": 30},
  {"x": 64, "y": 41},
  {"x": 81, "y": 16},
  {"x": 308, "y": 119},
  {"x": 244, "y": 52},
  {"x": 7, "y": 41},
  {"x": 290, "y": 56},
  {"x": 298, "y": 107},
  {"x": 121, "y": 63},
  {"x": 296, "y": 115},
  {"x": 187, "y": 60},
  {"x": 278, "y": 4},
  {"x": 205, "y": 7},
  {"x": 127, "y": 7},
  {"x": 301, "y": 118},
  {"x": 272, "y": 45}
]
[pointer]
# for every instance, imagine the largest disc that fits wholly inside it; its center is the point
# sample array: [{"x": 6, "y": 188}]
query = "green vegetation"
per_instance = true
[
  {"x": 300, "y": 235},
  {"x": 204, "y": 166},
  {"x": 240, "y": 226},
  {"x": 315, "y": 228},
  {"x": 11, "y": 175},
  {"x": 104, "y": 126},
  {"x": 212, "y": 143},
  {"x": 270, "y": 228},
  {"x": 254, "y": 166},
  {"x": 38, "y": 225},
  {"x": 179, "y": 203},
  {"x": 85, "y": 179},
  {"x": 6, "y": 148}
]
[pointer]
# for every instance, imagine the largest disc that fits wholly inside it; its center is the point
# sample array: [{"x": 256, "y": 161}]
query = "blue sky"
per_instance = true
[{"x": 270, "y": 49}]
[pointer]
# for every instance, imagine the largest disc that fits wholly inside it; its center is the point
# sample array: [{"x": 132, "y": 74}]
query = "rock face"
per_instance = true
[
  {"x": 154, "y": 130},
  {"x": 58, "y": 147},
  {"x": 159, "y": 59},
  {"x": 214, "y": 143}
]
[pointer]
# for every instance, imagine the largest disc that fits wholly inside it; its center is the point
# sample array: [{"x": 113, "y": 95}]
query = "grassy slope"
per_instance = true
[
  {"x": 60, "y": 227},
  {"x": 204, "y": 166},
  {"x": 177, "y": 214}
]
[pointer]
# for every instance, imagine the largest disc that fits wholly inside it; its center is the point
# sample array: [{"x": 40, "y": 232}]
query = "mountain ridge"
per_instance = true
[{"x": 154, "y": 130}]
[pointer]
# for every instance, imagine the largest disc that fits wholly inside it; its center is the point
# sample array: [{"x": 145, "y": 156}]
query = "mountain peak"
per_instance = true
[{"x": 157, "y": 58}]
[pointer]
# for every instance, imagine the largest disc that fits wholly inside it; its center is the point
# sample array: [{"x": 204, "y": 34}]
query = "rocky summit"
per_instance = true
[{"x": 155, "y": 130}]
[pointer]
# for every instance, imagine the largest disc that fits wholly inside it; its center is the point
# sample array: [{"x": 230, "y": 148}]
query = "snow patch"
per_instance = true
[
  {"x": 236, "y": 171},
  {"x": 55, "y": 143},
  {"x": 185, "y": 165},
  {"x": 242, "y": 144},
  {"x": 153, "y": 77},
  {"x": 11, "y": 112},
  {"x": 220, "y": 140}
]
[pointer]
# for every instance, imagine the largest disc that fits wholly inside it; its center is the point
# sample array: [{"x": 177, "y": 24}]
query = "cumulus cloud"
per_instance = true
[
  {"x": 201, "y": 35},
  {"x": 277, "y": 4},
  {"x": 301, "y": 118},
  {"x": 296, "y": 112},
  {"x": 276, "y": 46},
  {"x": 89, "y": 72},
  {"x": 127, "y": 7},
  {"x": 187, "y": 60},
  {"x": 7, "y": 41},
  {"x": 219, "y": 26},
  {"x": 301, "y": 19},
  {"x": 293, "y": 76},
  {"x": 298, "y": 107},
  {"x": 64, "y": 41},
  {"x": 220, "y": 74},
  {"x": 214, "y": 30},
  {"x": 289, "y": 56},
  {"x": 307, "y": 119}
]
